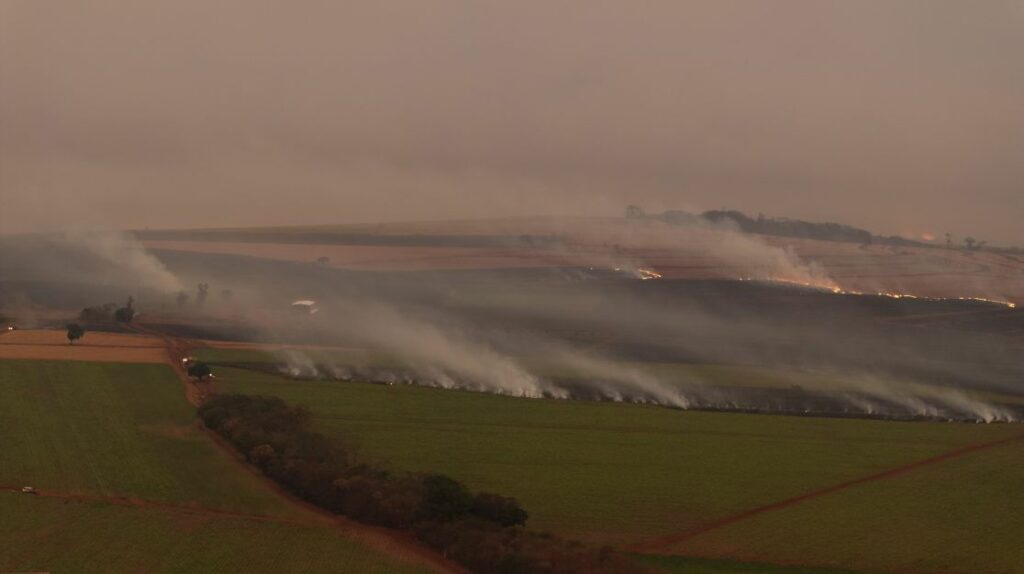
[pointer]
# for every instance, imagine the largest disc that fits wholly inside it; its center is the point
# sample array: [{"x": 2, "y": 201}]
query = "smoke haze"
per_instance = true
[{"x": 903, "y": 117}]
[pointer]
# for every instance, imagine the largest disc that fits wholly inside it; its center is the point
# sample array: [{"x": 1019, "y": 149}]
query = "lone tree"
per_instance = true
[
  {"x": 199, "y": 371},
  {"x": 182, "y": 298},
  {"x": 75, "y": 332}
]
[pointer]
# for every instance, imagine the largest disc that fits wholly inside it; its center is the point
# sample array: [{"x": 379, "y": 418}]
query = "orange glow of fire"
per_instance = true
[
  {"x": 646, "y": 274},
  {"x": 828, "y": 285}
]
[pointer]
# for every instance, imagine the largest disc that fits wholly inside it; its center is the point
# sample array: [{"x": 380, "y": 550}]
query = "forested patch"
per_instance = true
[{"x": 483, "y": 531}]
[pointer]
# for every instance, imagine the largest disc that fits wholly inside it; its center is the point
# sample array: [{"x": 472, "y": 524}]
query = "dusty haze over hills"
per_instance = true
[{"x": 903, "y": 117}]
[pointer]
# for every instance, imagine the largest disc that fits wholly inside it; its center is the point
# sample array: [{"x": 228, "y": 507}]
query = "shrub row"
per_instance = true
[{"x": 482, "y": 531}]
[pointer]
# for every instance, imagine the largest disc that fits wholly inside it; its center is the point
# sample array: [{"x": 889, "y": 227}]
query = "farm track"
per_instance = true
[
  {"x": 391, "y": 542},
  {"x": 663, "y": 544},
  {"x": 177, "y": 350}
]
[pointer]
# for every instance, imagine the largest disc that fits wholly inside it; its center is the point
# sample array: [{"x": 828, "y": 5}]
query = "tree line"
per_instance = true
[
  {"x": 827, "y": 231},
  {"x": 485, "y": 532},
  {"x": 108, "y": 312}
]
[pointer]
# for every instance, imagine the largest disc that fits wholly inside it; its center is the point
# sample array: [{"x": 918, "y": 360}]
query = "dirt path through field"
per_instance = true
[
  {"x": 664, "y": 543},
  {"x": 176, "y": 350},
  {"x": 392, "y": 542}
]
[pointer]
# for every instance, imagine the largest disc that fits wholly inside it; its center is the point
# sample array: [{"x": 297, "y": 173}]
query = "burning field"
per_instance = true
[
  {"x": 607, "y": 381},
  {"x": 698, "y": 317},
  {"x": 671, "y": 252}
]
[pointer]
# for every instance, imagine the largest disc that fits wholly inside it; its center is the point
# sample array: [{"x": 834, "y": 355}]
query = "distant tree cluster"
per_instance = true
[
  {"x": 790, "y": 227},
  {"x": 98, "y": 314},
  {"x": 482, "y": 531},
  {"x": 826, "y": 231},
  {"x": 127, "y": 313},
  {"x": 108, "y": 312},
  {"x": 972, "y": 244}
]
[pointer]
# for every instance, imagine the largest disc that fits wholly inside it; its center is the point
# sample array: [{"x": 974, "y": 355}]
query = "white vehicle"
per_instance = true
[{"x": 305, "y": 307}]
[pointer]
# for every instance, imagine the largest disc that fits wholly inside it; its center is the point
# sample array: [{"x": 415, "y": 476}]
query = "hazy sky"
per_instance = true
[{"x": 904, "y": 117}]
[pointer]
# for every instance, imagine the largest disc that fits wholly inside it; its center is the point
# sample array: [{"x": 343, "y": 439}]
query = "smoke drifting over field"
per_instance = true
[
  {"x": 121, "y": 251},
  {"x": 75, "y": 267},
  {"x": 604, "y": 337},
  {"x": 529, "y": 364},
  {"x": 565, "y": 112},
  {"x": 590, "y": 329}
]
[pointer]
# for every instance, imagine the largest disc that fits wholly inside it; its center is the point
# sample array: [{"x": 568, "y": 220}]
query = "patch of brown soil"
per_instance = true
[
  {"x": 52, "y": 345},
  {"x": 91, "y": 339},
  {"x": 76, "y": 352}
]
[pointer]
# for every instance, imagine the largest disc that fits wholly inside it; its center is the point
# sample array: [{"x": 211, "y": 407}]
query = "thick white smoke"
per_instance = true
[
  {"x": 447, "y": 356},
  {"x": 126, "y": 253},
  {"x": 709, "y": 249}
]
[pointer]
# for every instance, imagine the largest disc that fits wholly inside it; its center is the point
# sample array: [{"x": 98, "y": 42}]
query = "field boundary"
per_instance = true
[
  {"x": 661, "y": 544},
  {"x": 383, "y": 539}
]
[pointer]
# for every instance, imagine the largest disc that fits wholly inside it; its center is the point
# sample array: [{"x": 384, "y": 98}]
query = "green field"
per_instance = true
[
  {"x": 684, "y": 565},
  {"x": 620, "y": 474},
  {"x": 602, "y": 472},
  {"x": 85, "y": 432},
  {"x": 714, "y": 374},
  {"x": 115, "y": 429},
  {"x": 965, "y": 515},
  {"x": 682, "y": 374},
  {"x": 42, "y": 534}
]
